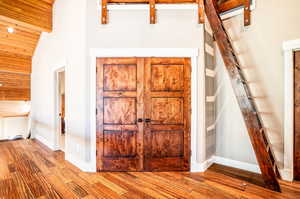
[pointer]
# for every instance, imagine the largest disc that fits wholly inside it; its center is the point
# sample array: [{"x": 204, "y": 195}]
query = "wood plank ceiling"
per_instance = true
[{"x": 27, "y": 18}]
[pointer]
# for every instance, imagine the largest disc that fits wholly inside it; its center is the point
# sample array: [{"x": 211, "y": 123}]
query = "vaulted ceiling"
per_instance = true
[{"x": 21, "y": 24}]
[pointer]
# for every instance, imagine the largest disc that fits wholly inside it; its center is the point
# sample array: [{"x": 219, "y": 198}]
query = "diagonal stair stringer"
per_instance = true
[{"x": 256, "y": 131}]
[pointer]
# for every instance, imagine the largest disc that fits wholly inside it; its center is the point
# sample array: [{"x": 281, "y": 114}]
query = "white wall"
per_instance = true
[
  {"x": 13, "y": 126},
  {"x": 259, "y": 50},
  {"x": 73, "y": 35},
  {"x": 65, "y": 46},
  {"x": 233, "y": 141},
  {"x": 1, "y": 128}
]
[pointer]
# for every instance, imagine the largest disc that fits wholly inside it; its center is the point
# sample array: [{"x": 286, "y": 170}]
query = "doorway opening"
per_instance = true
[{"x": 60, "y": 109}]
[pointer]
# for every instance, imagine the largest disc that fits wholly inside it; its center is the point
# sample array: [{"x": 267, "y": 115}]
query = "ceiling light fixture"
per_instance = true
[
  {"x": 1, "y": 84},
  {"x": 10, "y": 30}
]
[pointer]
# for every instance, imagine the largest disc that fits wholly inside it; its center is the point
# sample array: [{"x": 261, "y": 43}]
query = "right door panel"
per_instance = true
[{"x": 167, "y": 114}]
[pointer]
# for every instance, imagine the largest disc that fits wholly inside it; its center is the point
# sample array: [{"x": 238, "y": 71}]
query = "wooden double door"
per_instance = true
[{"x": 143, "y": 114}]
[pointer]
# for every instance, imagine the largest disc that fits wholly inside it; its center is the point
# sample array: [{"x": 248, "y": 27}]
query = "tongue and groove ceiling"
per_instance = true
[{"x": 28, "y": 18}]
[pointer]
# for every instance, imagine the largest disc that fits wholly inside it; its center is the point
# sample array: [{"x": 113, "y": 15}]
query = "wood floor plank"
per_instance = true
[
  {"x": 30, "y": 170},
  {"x": 77, "y": 189}
]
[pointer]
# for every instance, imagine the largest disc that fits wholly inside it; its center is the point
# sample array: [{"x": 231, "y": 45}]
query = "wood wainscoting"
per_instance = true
[{"x": 143, "y": 114}]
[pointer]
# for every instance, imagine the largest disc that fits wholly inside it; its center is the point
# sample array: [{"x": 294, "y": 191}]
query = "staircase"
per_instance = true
[{"x": 256, "y": 130}]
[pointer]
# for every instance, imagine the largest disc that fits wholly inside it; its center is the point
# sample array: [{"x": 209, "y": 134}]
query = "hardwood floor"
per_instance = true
[{"x": 28, "y": 169}]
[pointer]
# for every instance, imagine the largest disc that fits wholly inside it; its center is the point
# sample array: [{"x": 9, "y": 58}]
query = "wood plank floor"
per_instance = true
[{"x": 30, "y": 170}]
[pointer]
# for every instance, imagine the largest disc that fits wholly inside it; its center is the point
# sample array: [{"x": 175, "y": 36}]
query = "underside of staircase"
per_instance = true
[{"x": 256, "y": 130}]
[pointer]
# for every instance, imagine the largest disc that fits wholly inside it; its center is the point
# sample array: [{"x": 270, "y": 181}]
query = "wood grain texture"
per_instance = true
[
  {"x": 120, "y": 111},
  {"x": 147, "y": 101},
  {"x": 201, "y": 12},
  {"x": 242, "y": 92},
  {"x": 22, "y": 41},
  {"x": 14, "y": 80},
  {"x": 15, "y": 63},
  {"x": 167, "y": 134},
  {"x": 35, "y": 15},
  {"x": 64, "y": 180},
  {"x": 104, "y": 12},
  {"x": 247, "y": 13},
  {"x": 227, "y": 5},
  {"x": 119, "y": 134},
  {"x": 167, "y": 110},
  {"x": 120, "y": 143},
  {"x": 297, "y": 115},
  {"x": 167, "y": 77},
  {"x": 14, "y": 94},
  {"x": 152, "y": 11},
  {"x": 120, "y": 77},
  {"x": 28, "y": 18}
]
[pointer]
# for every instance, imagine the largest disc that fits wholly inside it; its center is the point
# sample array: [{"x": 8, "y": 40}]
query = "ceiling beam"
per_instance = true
[
  {"x": 32, "y": 14},
  {"x": 15, "y": 63},
  {"x": 229, "y": 5}
]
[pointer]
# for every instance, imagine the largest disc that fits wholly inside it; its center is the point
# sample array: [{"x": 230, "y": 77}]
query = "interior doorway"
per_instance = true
[{"x": 60, "y": 108}]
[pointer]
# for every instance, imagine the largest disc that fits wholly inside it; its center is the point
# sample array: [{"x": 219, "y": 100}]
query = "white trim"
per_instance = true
[
  {"x": 144, "y": 52},
  {"x": 287, "y": 174},
  {"x": 50, "y": 145},
  {"x": 82, "y": 165},
  {"x": 57, "y": 122},
  {"x": 289, "y": 47},
  {"x": 237, "y": 164},
  {"x": 197, "y": 128},
  {"x": 202, "y": 167}
]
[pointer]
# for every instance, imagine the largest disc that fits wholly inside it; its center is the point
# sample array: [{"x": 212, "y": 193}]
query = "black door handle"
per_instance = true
[
  {"x": 140, "y": 120},
  {"x": 147, "y": 120}
]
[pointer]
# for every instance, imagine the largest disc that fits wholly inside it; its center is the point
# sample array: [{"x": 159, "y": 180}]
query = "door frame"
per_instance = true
[
  {"x": 57, "y": 100},
  {"x": 289, "y": 47},
  {"x": 198, "y": 138}
]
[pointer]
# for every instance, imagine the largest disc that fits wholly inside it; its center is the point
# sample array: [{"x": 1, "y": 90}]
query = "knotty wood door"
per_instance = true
[
  {"x": 297, "y": 116},
  {"x": 167, "y": 114},
  {"x": 143, "y": 114},
  {"x": 119, "y": 105}
]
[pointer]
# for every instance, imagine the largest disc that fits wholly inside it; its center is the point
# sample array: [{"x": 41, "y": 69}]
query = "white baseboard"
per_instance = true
[
  {"x": 195, "y": 167},
  {"x": 286, "y": 174},
  {"x": 82, "y": 165},
  {"x": 201, "y": 167},
  {"x": 237, "y": 164},
  {"x": 45, "y": 142}
]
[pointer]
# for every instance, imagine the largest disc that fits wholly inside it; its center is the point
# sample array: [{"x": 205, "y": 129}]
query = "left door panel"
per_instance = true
[{"x": 119, "y": 107}]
